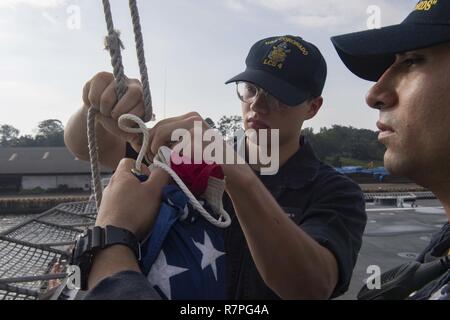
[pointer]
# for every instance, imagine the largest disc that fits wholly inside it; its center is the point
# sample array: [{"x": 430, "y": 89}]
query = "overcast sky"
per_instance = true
[{"x": 193, "y": 46}]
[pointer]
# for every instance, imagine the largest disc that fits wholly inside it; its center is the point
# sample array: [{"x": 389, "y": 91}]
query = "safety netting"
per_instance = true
[{"x": 35, "y": 249}]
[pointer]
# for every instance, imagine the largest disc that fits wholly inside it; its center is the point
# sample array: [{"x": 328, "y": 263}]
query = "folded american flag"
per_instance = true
[{"x": 184, "y": 257}]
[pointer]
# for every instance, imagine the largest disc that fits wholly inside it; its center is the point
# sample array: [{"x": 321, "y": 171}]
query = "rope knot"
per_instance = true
[{"x": 113, "y": 41}]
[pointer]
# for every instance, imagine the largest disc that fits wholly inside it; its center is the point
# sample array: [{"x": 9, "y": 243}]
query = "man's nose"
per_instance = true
[
  {"x": 260, "y": 105},
  {"x": 382, "y": 94}
]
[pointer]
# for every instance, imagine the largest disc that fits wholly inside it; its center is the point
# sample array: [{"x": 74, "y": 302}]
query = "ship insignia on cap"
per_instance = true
[
  {"x": 278, "y": 55},
  {"x": 426, "y": 5}
]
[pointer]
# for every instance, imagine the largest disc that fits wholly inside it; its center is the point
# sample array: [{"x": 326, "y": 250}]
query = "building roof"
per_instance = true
[{"x": 42, "y": 161}]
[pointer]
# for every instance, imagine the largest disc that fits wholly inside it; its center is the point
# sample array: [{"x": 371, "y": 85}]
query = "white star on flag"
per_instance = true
[
  {"x": 209, "y": 254},
  {"x": 161, "y": 272}
]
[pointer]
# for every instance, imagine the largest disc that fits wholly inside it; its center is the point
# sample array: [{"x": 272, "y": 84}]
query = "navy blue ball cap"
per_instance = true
[
  {"x": 287, "y": 67},
  {"x": 368, "y": 54}
]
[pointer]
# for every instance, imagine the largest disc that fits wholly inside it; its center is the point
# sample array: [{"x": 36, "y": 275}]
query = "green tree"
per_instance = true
[
  {"x": 308, "y": 133},
  {"x": 50, "y": 127},
  {"x": 8, "y": 135},
  {"x": 339, "y": 143},
  {"x": 27, "y": 141},
  {"x": 50, "y": 133}
]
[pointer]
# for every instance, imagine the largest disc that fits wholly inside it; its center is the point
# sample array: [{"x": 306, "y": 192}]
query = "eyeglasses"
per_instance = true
[{"x": 249, "y": 93}]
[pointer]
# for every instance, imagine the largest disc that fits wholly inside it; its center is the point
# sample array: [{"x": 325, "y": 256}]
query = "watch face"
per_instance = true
[
  {"x": 82, "y": 257},
  {"x": 81, "y": 248},
  {"x": 97, "y": 239}
]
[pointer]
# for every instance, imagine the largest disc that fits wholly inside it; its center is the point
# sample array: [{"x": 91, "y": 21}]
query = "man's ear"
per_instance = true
[{"x": 314, "y": 106}]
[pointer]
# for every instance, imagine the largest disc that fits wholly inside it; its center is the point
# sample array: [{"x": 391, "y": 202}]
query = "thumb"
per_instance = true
[
  {"x": 125, "y": 166},
  {"x": 158, "y": 179},
  {"x": 145, "y": 170}
]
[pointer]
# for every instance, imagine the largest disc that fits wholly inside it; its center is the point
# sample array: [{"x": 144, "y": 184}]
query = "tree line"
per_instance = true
[
  {"x": 338, "y": 145},
  {"x": 344, "y": 146},
  {"x": 49, "y": 133}
]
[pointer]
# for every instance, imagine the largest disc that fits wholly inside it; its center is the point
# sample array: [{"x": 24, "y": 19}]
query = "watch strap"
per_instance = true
[
  {"x": 102, "y": 238},
  {"x": 97, "y": 239}
]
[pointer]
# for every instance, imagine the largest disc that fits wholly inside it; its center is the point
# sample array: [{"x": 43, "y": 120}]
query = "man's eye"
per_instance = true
[
  {"x": 409, "y": 62},
  {"x": 250, "y": 90}
]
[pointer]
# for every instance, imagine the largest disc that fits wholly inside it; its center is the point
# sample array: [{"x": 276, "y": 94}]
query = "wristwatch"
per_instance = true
[{"x": 97, "y": 239}]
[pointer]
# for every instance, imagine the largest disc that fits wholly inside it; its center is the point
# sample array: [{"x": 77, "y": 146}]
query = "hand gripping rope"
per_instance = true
[{"x": 114, "y": 45}]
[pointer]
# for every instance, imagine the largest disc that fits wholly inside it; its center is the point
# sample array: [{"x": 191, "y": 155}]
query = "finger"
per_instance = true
[
  {"x": 145, "y": 170},
  {"x": 159, "y": 138},
  {"x": 108, "y": 99},
  {"x": 98, "y": 85},
  {"x": 175, "y": 119},
  {"x": 152, "y": 151},
  {"x": 107, "y": 188},
  {"x": 182, "y": 117},
  {"x": 138, "y": 110},
  {"x": 164, "y": 122},
  {"x": 158, "y": 179},
  {"x": 86, "y": 90},
  {"x": 125, "y": 166},
  {"x": 162, "y": 136},
  {"x": 170, "y": 120},
  {"x": 129, "y": 101},
  {"x": 149, "y": 155}
]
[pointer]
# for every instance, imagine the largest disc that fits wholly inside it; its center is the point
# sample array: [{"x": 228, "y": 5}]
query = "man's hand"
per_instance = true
[
  {"x": 161, "y": 135},
  {"x": 127, "y": 203},
  {"x": 100, "y": 94}
]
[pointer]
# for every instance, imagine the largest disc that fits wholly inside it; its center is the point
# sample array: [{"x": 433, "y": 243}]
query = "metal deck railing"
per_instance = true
[{"x": 423, "y": 195}]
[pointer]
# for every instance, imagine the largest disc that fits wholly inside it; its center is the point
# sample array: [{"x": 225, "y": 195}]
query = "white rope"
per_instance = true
[
  {"x": 224, "y": 219},
  {"x": 142, "y": 129}
]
